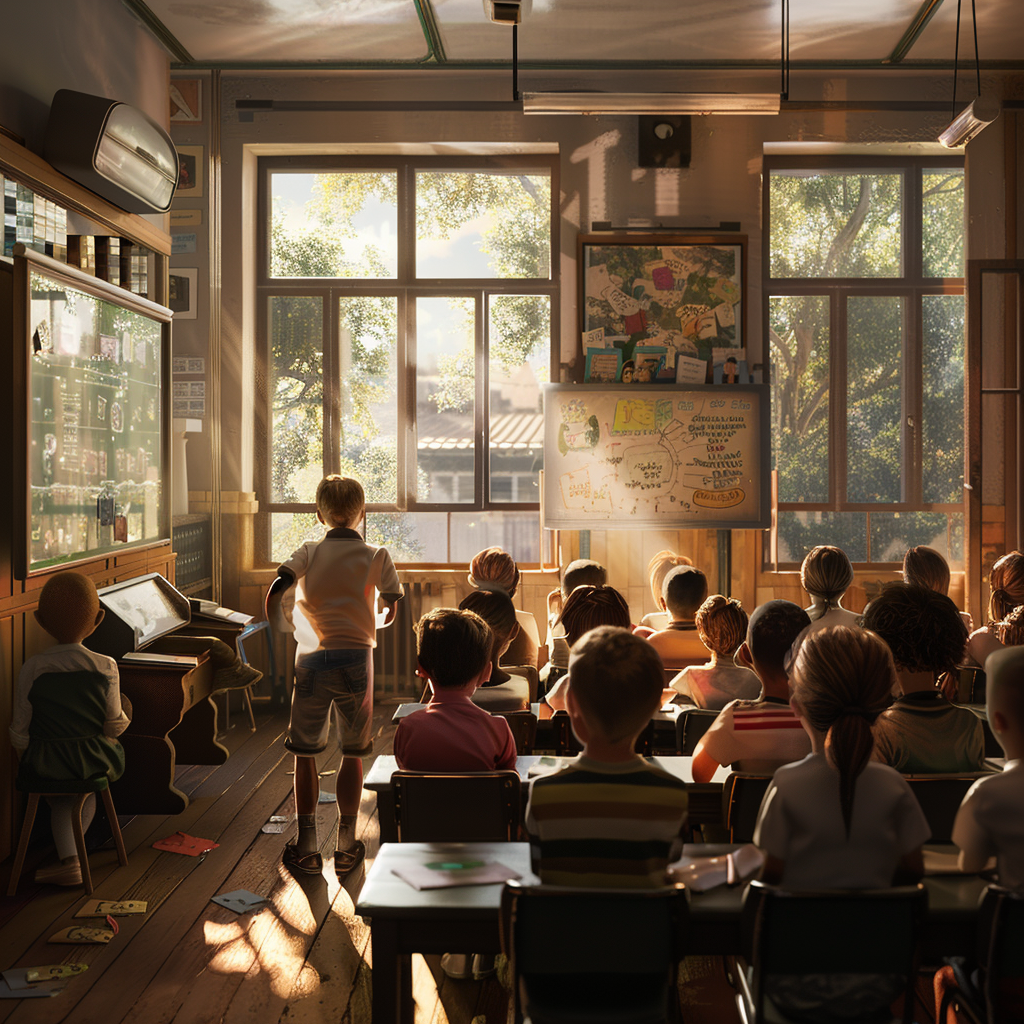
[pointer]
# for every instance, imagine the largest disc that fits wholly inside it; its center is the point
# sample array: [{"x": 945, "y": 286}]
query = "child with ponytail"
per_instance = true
[
  {"x": 837, "y": 819},
  {"x": 1006, "y": 581}
]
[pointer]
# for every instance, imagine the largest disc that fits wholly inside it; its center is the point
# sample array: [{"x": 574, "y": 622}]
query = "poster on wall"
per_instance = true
[
  {"x": 181, "y": 298},
  {"x": 190, "y": 172},
  {"x": 186, "y": 101},
  {"x": 656, "y": 298}
]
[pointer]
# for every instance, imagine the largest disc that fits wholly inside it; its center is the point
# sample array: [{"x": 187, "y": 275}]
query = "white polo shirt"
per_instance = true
[{"x": 990, "y": 823}]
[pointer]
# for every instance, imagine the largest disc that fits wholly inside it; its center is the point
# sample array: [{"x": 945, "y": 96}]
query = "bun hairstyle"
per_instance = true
[
  {"x": 586, "y": 608},
  {"x": 826, "y": 574},
  {"x": 926, "y": 567},
  {"x": 494, "y": 569},
  {"x": 1007, "y": 583},
  {"x": 659, "y": 567},
  {"x": 721, "y": 625},
  {"x": 1011, "y": 630},
  {"x": 841, "y": 680}
]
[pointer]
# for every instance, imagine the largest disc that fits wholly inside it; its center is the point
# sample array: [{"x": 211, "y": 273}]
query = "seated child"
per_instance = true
[
  {"x": 1006, "y": 581},
  {"x": 657, "y": 569},
  {"x": 583, "y": 572},
  {"x": 926, "y": 567},
  {"x": 67, "y": 711},
  {"x": 685, "y": 589},
  {"x": 504, "y": 690},
  {"x": 760, "y": 735},
  {"x": 1011, "y": 630},
  {"x": 452, "y": 734},
  {"x": 615, "y": 683},
  {"x": 826, "y": 574},
  {"x": 336, "y": 578},
  {"x": 722, "y": 627},
  {"x": 837, "y": 819},
  {"x": 585, "y": 609},
  {"x": 495, "y": 569},
  {"x": 923, "y": 731}
]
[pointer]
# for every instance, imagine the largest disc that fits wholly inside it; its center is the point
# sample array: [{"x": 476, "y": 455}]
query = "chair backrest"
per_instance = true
[
  {"x": 524, "y": 729},
  {"x": 992, "y": 747},
  {"x": 972, "y": 685},
  {"x": 741, "y": 801},
  {"x": 529, "y": 673},
  {"x": 940, "y": 797},
  {"x": 691, "y": 725},
  {"x": 471, "y": 807},
  {"x": 567, "y": 745},
  {"x": 867, "y": 931},
  {"x": 610, "y": 941},
  {"x": 1001, "y": 950}
]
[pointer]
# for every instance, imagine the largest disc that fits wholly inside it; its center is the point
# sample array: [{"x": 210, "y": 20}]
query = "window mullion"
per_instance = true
[
  {"x": 482, "y": 419},
  {"x": 838, "y": 367}
]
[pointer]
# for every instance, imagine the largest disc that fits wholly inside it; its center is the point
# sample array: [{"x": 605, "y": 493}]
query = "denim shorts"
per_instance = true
[{"x": 338, "y": 683}]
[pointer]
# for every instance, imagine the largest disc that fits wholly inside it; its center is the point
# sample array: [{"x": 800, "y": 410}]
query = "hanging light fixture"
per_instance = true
[{"x": 982, "y": 111}]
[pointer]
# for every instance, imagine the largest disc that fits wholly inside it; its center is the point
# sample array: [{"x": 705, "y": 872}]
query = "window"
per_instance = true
[
  {"x": 406, "y": 313},
  {"x": 864, "y": 286}
]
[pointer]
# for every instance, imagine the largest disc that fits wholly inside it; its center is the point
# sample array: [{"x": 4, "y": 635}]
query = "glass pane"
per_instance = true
[
  {"x": 518, "y": 533},
  {"x": 445, "y": 399},
  {"x": 942, "y": 234},
  {"x": 874, "y": 410},
  {"x": 368, "y": 327},
  {"x": 334, "y": 225},
  {"x": 410, "y": 536},
  {"x": 296, "y": 397},
  {"x": 942, "y": 424},
  {"x": 290, "y": 530},
  {"x": 520, "y": 362},
  {"x": 893, "y": 532},
  {"x": 480, "y": 225},
  {"x": 836, "y": 225},
  {"x": 801, "y": 531},
  {"x": 799, "y": 334}
]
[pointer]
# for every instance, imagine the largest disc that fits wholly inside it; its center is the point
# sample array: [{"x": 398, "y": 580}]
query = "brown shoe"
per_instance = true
[
  {"x": 304, "y": 864},
  {"x": 60, "y": 874}
]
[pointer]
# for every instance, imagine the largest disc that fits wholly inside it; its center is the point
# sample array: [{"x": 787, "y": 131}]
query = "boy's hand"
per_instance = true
[
  {"x": 392, "y": 610},
  {"x": 277, "y": 614}
]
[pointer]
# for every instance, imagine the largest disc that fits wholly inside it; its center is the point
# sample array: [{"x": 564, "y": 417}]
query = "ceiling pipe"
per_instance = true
[{"x": 925, "y": 13}]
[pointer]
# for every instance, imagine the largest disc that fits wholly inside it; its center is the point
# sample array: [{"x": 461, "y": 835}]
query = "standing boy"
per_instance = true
[
  {"x": 336, "y": 579},
  {"x": 609, "y": 818},
  {"x": 764, "y": 734}
]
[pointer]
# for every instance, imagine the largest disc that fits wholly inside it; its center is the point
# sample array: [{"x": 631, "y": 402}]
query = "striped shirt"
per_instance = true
[
  {"x": 605, "y": 825},
  {"x": 756, "y": 736}
]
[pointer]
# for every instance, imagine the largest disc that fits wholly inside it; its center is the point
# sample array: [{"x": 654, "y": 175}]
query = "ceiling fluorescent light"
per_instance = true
[
  {"x": 970, "y": 121},
  {"x": 650, "y": 103}
]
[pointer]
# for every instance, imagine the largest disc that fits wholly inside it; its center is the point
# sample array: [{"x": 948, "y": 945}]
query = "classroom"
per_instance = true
[{"x": 442, "y": 247}]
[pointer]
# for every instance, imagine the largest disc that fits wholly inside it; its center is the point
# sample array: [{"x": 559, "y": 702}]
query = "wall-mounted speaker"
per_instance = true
[{"x": 663, "y": 140}]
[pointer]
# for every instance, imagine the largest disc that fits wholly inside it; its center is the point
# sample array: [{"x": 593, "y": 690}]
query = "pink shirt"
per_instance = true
[{"x": 452, "y": 734}]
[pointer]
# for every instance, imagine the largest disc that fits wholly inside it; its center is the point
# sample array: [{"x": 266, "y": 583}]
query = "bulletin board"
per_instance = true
[{"x": 672, "y": 457}]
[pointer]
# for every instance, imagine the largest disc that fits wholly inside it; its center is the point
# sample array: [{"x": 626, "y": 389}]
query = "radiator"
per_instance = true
[{"x": 394, "y": 660}]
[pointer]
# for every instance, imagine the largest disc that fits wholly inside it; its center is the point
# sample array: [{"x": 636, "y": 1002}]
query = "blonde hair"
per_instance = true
[
  {"x": 926, "y": 567},
  {"x": 721, "y": 625},
  {"x": 68, "y": 606},
  {"x": 616, "y": 680},
  {"x": 841, "y": 680},
  {"x": 340, "y": 500},
  {"x": 1007, "y": 582},
  {"x": 826, "y": 573},
  {"x": 659, "y": 567},
  {"x": 496, "y": 567}
]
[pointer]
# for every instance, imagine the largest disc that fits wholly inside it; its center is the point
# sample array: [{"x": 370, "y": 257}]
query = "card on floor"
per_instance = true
[
  {"x": 181, "y": 842},
  {"x": 112, "y": 908},
  {"x": 273, "y": 828},
  {"x": 240, "y": 900},
  {"x": 82, "y": 936},
  {"x": 274, "y": 818},
  {"x": 327, "y": 798},
  {"x": 54, "y": 972},
  {"x": 26, "y": 991}
]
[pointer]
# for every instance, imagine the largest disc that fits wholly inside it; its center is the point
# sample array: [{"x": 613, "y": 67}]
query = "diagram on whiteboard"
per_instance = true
[{"x": 674, "y": 456}]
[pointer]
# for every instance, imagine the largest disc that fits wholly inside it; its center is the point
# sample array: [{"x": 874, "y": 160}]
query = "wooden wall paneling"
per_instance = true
[{"x": 10, "y": 662}]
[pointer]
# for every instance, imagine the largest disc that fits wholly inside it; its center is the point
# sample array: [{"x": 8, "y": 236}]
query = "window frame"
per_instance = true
[
  {"x": 407, "y": 288},
  {"x": 913, "y": 287}
]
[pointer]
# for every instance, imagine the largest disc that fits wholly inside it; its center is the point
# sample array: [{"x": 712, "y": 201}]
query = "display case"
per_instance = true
[{"x": 93, "y": 362}]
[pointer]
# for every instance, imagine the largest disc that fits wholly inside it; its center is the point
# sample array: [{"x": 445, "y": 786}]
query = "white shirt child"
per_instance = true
[{"x": 990, "y": 823}]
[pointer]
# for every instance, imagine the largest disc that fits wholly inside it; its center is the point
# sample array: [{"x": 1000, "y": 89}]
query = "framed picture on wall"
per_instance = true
[
  {"x": 681, "y": 295},
  {"x": 186, "y": 101},
  {"x": 181, "y": 293},
  {"x": 190, "y": 172}
]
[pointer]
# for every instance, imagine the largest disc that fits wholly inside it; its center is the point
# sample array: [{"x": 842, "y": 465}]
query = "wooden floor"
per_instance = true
[{"x": 304, "y": 959}]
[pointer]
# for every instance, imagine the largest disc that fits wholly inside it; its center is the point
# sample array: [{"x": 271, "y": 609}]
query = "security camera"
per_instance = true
[{"x": 506, "y": 12}]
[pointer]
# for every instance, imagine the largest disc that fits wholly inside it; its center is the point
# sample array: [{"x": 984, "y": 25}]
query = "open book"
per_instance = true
[
  {"x": 211, "y": 610},
  {"x": 701, "y": 873}
]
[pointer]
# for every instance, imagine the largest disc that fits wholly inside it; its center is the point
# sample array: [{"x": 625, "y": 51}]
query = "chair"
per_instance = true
[
  {"x": 566, "y": 744},
  {"x": 796, "y": 934},
  {"x": 940, "y": 797},
  {"x": 524, "y": 728},
  {"x": 471, "y": 807},
  {"x": 741, "y": 802},
  {"x": 67, "y": 787},
  {"x": 691, "y": 725},
  {"x": 992, "y": 747},
  {"x": 530, "y": 674},
  {"x": 1001, "y": 952},
  {"x": 971, "y": 685},
  {"x": 615, "y": 959}
]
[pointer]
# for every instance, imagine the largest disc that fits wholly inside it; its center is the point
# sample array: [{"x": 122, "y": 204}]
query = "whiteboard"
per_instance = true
[{"x": 646, "y": 455}]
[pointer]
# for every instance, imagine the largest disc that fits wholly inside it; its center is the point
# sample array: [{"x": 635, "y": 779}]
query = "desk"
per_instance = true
[
  {"x": 706, "y": 807},
  {"x": 404, "y": 921}
]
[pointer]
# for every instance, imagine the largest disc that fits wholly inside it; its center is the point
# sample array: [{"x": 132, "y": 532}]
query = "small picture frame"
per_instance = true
[
  {"x": 186, "y": 101},
  {"x": 190, "y": 172},
  {"x": 182, "y": 298}
]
